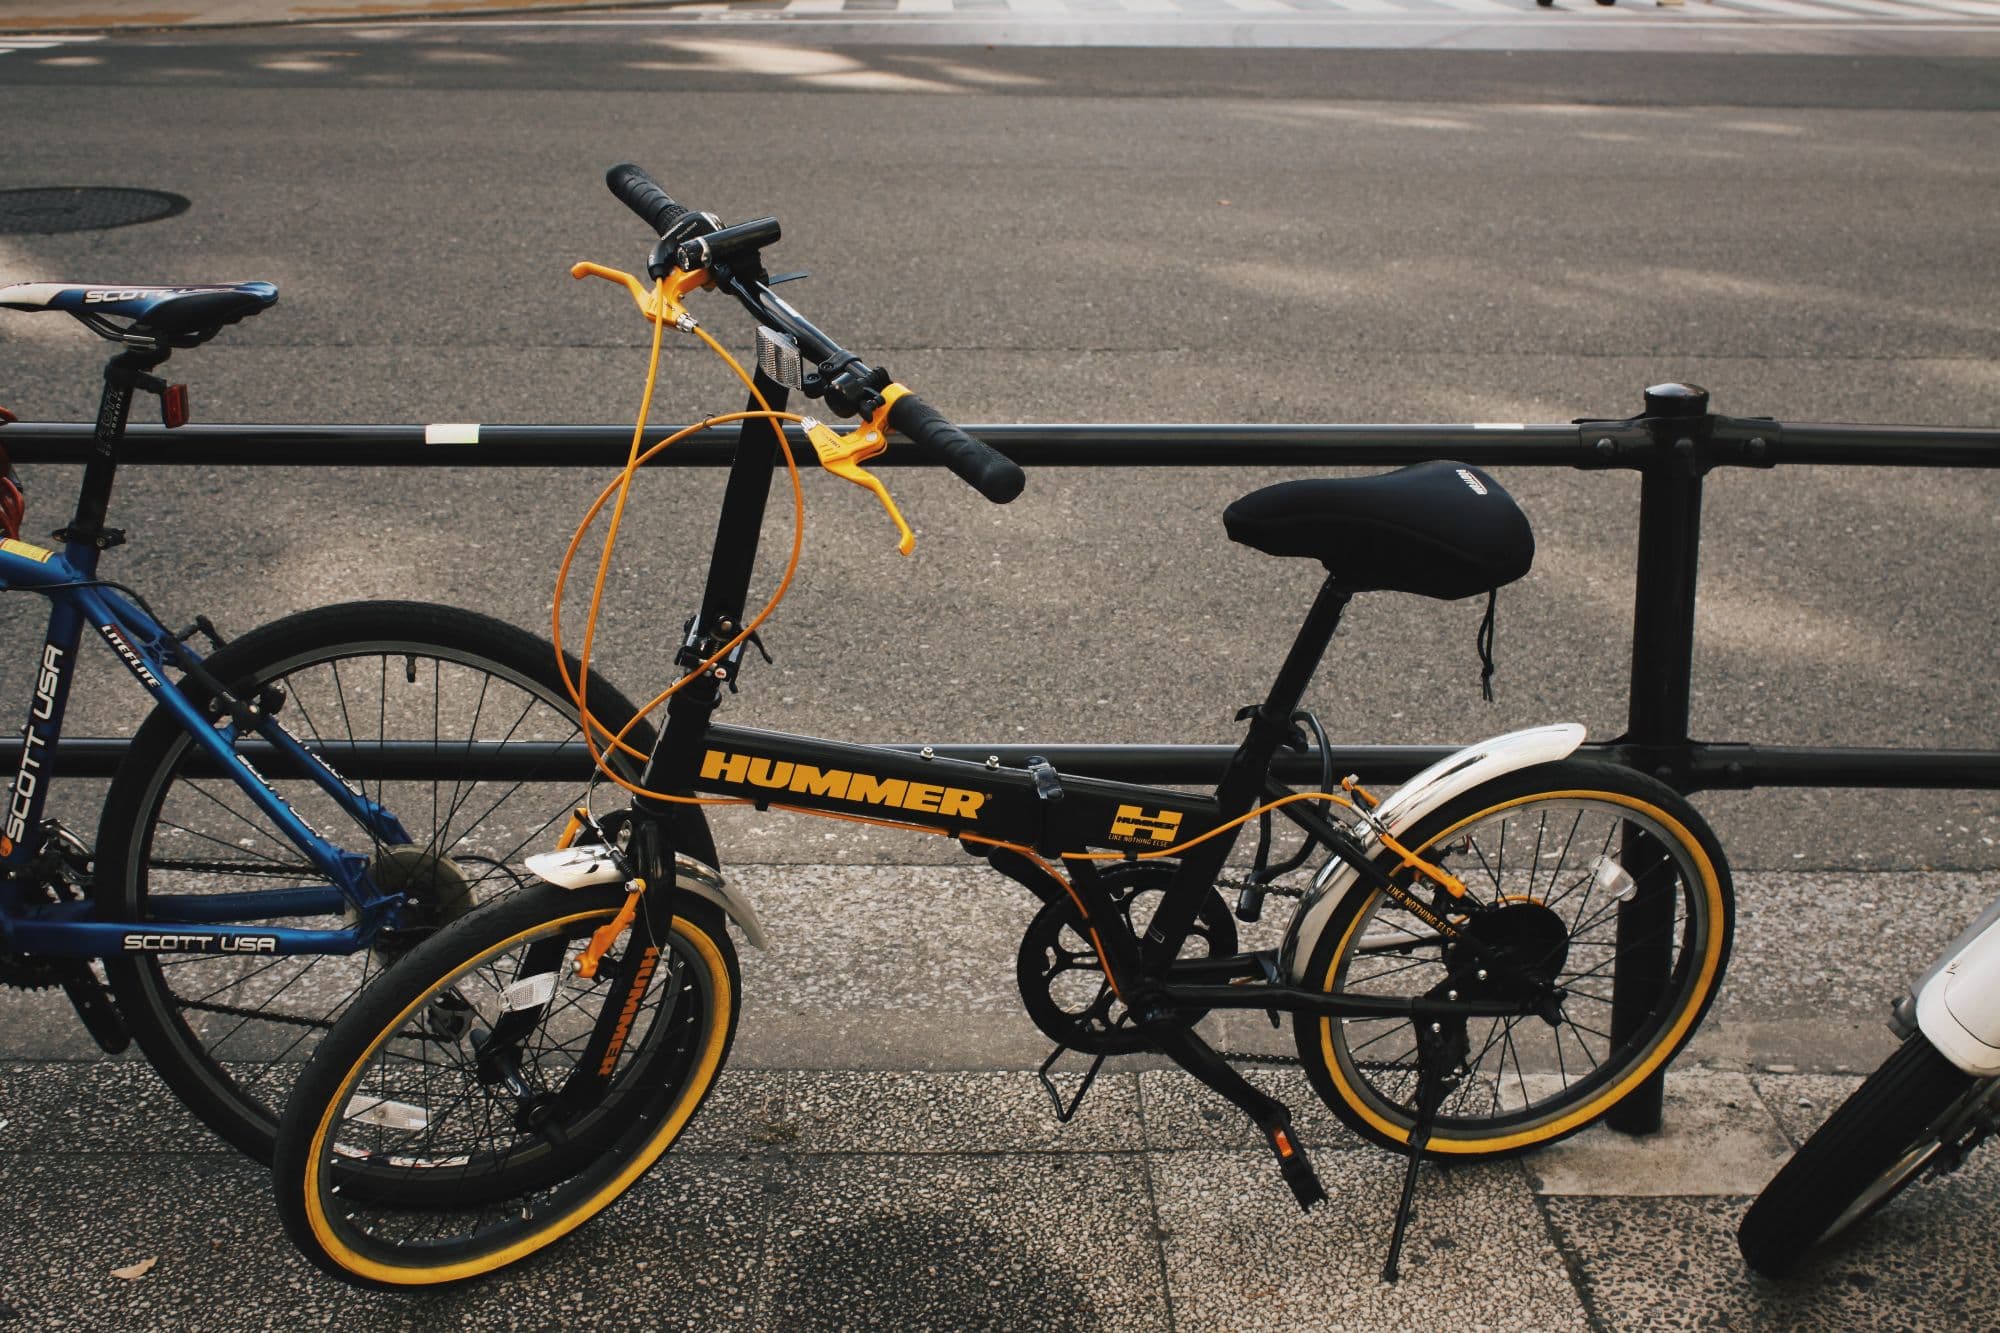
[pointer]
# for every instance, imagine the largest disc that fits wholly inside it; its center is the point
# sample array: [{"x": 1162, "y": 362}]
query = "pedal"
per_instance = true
[
  {"x": 94, "y": 1005},
  {"x": 1270, "y": 1115},
  {"x": 1293, "y": 1166}
]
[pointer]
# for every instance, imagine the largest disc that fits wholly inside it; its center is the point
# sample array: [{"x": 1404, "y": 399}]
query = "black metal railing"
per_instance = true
[{"x": 1672, "y": 444}]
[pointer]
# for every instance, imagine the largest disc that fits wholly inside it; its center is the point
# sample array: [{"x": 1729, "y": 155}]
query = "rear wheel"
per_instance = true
[
  {"x": 482, "y": 1099},
  {"x": 1553, "y": 857},
  {"x": 1916, "y": 1109},
  {"x": 228, "y": 1032}
]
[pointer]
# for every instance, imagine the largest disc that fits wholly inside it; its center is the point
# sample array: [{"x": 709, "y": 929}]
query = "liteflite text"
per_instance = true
[{"x": 124, "y": 650}]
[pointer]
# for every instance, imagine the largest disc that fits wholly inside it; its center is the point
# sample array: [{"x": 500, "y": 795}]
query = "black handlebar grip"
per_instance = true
[
  {"x": 994, "y": 475},
  {"x": 642, "y": 194}
]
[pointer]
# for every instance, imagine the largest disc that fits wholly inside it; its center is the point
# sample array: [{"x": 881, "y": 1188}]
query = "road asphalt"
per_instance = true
[{"x": 112, "y": 15}]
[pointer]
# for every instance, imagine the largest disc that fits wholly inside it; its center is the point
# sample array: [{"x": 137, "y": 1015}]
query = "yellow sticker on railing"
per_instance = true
[{"x": 12, "y": 547}]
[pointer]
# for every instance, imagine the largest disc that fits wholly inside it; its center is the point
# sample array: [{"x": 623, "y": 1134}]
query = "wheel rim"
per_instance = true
[
  {"x": 1949, "y": 1128},
  {"x": 248, "y": 1024},
  {"x": 1567, "y": 854},
  {"x": 480, "y": 1185}
]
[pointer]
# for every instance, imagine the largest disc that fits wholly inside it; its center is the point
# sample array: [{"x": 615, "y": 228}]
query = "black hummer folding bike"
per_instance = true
[{"x": 1449, "y": 968}]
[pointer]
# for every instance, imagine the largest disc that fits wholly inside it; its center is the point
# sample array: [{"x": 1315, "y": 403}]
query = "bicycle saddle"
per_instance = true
[
  {"x": 1443, "y": 530},
  {"x": 153, "y": 316}
]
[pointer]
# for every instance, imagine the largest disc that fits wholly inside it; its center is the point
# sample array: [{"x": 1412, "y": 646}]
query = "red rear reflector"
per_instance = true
[{"x": 174, "y": 405}]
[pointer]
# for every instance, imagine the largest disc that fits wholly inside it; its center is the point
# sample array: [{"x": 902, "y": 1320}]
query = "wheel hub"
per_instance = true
[
  {"x": 434, "y": 893},
  {"x": 1526, "y": 934}
]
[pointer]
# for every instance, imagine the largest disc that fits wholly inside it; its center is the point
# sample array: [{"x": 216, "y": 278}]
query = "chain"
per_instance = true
[{"x": 1275, "y": 890}]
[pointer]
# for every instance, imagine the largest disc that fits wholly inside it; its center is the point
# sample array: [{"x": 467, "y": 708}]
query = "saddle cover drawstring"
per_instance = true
[{"x": 1486, "y": 646}]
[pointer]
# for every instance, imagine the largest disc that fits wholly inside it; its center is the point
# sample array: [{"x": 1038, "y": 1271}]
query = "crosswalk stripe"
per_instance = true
[
  {"x": 1890, "y": 9},
  {"x": 1974, "y": 7},
  {"x": 1789, "y": 8},
  {"x": 37, "y": 41}
]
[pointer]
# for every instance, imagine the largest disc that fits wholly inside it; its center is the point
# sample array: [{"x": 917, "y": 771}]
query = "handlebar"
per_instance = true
[
  {"x": 643, "y": 195},
  {"x": 843, "y": 377},
  {"x": 977, "y": 464}
]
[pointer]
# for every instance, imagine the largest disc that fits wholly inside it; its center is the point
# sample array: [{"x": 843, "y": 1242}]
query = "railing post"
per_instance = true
[{"x": 1657, "y": 724}]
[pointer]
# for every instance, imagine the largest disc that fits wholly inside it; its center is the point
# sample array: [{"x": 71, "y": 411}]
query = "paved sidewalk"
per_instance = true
[
  {"x": 879, "y": 1155},
  {"x": 110, "y": 15},
  {"x": 824, "y": 1200}
]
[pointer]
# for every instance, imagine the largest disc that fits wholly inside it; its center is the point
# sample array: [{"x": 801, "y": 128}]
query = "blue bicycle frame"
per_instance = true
[{"x": 201, "y": 923}]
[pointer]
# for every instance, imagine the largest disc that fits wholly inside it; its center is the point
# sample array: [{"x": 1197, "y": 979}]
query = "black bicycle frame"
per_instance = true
[{"x": 994, "y": 811}]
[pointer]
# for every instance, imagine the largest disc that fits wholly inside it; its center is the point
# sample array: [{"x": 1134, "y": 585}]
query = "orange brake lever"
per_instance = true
[
  {"x": 661, "y": 305},
  {"x": 842, "y": 455}
]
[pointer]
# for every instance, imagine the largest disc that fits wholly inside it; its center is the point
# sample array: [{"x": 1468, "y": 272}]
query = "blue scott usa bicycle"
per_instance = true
[{"x": 304, "y": 803}]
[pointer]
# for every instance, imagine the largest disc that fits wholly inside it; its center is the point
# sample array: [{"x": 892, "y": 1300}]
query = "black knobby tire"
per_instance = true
[
  {"x": 404, "y": 1161},
  {"x": 1875, "y": 1143},
  {"x": 228, "y": 1033},
  {"x": 1552, "y": 847}
]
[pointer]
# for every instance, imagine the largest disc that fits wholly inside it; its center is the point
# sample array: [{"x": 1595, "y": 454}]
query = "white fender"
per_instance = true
[
  {"x": 580, "y": 867},
  {"x": 1449, "y": 777},
  {"x": 1958, "y": 1009}
]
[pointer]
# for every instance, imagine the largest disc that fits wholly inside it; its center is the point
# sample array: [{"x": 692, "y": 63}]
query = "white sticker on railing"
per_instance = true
[
  {"x": 528, "y": 993},
  {"x": 1499, "y": 425},
  {"x": 452, "y": 432}
]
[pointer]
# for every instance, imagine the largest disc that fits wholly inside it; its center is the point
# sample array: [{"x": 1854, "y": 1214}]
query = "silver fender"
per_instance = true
[
  {"x": 1958, "y": 1008},
  {"x": 578, "y": 867},
  {"x": 1449, "y": 777}
]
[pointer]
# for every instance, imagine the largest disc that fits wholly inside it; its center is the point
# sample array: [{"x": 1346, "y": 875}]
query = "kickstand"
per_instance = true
[{"x": 1437, "y": 1053}]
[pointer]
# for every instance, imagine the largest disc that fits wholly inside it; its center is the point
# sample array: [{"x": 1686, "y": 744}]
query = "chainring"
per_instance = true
[
  {"x": 60, "y": 874},
  {"x": 1063, "y": 986},
  {"x": 23, "y": 973}
]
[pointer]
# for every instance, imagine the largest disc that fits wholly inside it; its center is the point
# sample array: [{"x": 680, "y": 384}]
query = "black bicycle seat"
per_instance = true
[
  {"x": 1444, "y": 530},
  {"x": 151, "y": 316}
]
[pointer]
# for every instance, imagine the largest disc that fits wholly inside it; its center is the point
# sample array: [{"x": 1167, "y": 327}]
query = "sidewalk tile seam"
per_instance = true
[
  {"x": 1572, "y": 1262},
  {"x": 1154, "y": 1219}
]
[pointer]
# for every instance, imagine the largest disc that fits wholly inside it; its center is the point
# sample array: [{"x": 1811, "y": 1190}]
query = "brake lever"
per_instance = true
[
  {"x": 842, "y": 455},
  {"x": 660, "y": 304}
]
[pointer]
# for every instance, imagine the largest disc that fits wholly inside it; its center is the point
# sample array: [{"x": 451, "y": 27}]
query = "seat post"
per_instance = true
[
  {"x": 1243, "y": 781},
  {"x": 86, "y": 534},
  {"x": 1272, "y": 720}
]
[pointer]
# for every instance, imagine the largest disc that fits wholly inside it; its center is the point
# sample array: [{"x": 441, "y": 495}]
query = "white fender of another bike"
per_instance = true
[
  {"x": 1959, "y": 1007},
  {"x": 1449, "y": 777},
  {"x": 578, "y": 867}
]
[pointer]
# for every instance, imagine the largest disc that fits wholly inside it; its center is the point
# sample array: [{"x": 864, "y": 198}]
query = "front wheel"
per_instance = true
[
  {"x": 181, "y": 841},
  {"x": 482, "y": 1099},
  {"x": 1901, "y": 1119},
  {"x": 1576, "y": 872}
]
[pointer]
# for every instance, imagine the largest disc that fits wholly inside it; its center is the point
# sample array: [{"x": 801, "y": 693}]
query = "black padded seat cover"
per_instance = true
[{"x": 1444, "y": 530}]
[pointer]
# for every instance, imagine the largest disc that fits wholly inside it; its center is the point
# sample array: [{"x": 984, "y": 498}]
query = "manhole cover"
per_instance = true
[{"x": 52, "y": 209}]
